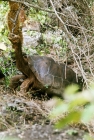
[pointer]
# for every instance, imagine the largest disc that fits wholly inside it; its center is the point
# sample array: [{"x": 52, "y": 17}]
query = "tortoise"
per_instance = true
[
  {"x": 53, "y": 76},
  {"x": 41, "y": 72}
]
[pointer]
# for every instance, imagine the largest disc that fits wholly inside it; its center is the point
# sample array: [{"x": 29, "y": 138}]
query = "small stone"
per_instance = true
[{"x": 56, "y": 131}]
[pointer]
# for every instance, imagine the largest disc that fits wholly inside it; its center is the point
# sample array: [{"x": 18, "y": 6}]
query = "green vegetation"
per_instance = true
[
  {"x": 77, "y": 108},
  {"x": 40, "y": 16},
  {"x": 9, "y": 138},
  {"x": 6, "y": 63},
  {"x": 3, "y": 21}
]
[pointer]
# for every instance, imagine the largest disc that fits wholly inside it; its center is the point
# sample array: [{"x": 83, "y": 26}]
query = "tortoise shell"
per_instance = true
[{"x": 52, "y": 75}]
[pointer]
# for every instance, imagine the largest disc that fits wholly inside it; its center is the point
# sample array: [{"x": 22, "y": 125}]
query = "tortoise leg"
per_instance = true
[
  {"x": 25, "y": 85},
  {"x": 16, "y": 81}
]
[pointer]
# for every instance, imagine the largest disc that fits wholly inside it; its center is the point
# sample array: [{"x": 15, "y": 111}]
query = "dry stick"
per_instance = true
[
  {"x": 82, "y": 50},
  {"x": 37, "y": 7},
  {"x": 16, "y": 17},
  {"x": 86, "y": 42},
  {"x": 79, "y": 66},
  {"x": 66, "y": 30},
  {"x": 50, "y": 11},
  {"x": 71, "y": 36},
  {"x": 39, "y": 108},
  {"x": 87, "y": 60}
]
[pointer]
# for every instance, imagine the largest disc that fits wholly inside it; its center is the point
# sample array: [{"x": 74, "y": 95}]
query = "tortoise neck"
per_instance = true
[{"x": 21, "y": 63}]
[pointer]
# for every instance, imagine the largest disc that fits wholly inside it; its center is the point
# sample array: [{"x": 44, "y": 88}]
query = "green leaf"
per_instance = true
[
  {"x": 77, "y": 102},
  {"x": 88, "y": 113},
  {"x": 71, "y": 89},
  {"x": 87, "y": 137},
  {"x": 59, "y": 110},
  {"x": 72, "y": 117}
]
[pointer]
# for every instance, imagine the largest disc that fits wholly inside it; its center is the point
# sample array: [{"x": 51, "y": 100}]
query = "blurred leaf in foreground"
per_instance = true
[
  {"x": 72, "y": 117},
  {"x": 88, "y": 113}
]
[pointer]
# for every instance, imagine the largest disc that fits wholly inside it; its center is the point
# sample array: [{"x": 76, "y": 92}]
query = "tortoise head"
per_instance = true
[{"x": 15, "y": 40}]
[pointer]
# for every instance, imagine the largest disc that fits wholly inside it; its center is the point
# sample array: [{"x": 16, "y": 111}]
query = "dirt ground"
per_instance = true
[{"x": 26, "y": 117}]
